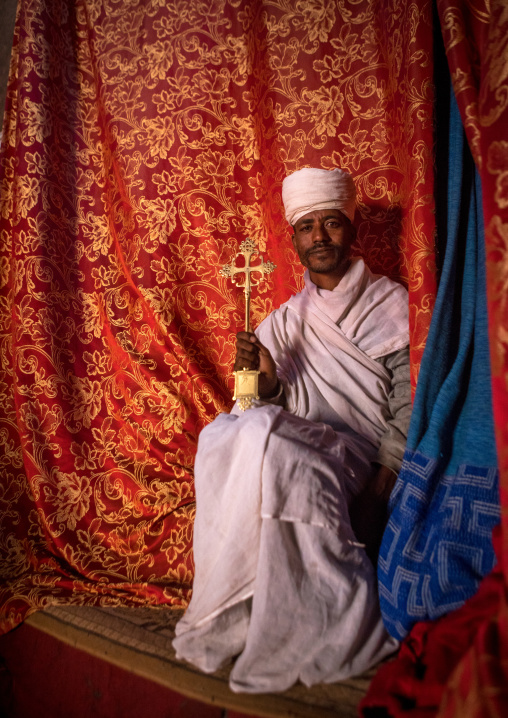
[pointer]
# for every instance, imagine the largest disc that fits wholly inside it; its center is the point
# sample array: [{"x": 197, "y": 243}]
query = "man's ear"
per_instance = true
[{"x": 293, "y": 237}]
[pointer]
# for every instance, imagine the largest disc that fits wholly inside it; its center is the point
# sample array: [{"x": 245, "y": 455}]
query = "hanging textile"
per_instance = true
[
  {"x": 413, "y": 684},
  {"x": 445, "y": 506},
  {"x": 456, "y": 667},
  {"x": 476, "y": 41},
  {"x": 142, "y": 142},
  {"x": 438, "y": 542}
]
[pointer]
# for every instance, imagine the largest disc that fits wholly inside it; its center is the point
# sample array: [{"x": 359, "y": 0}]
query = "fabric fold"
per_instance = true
[
  {"x": 438, "y": 542},
  {"x": 281, "y": 583}
]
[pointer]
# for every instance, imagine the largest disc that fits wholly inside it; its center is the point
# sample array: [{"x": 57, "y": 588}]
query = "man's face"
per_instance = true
[{"x": 323, "y": 240}]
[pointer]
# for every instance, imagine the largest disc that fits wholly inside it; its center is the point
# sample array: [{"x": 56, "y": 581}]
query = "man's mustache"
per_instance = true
[{"x": 320, "y": 245}]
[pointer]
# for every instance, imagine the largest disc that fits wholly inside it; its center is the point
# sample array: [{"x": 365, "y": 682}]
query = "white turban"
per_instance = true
[{"x": 311, "y": 188}]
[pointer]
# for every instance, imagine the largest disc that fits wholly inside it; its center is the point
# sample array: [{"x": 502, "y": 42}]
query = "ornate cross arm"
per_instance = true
[
  {"x": 247, "y": 276},
  {"x": 247, "y": 250}
]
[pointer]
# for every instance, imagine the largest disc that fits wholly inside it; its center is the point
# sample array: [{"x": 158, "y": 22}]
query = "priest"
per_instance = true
[{"x": 291, "y": 495}]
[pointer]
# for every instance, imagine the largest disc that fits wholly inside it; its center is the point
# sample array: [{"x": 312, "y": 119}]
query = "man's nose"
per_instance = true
[{"x": 320, "y": 234}]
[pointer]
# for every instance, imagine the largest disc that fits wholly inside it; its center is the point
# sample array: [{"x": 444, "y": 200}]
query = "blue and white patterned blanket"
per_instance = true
[{"x": 437, "y": 544}]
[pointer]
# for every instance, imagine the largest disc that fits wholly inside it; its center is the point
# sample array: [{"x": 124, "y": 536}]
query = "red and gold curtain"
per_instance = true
[{"x": 143, "y": 140}]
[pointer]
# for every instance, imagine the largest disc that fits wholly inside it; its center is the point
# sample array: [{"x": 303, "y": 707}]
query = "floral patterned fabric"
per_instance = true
[{"x": 143, "y": 140}]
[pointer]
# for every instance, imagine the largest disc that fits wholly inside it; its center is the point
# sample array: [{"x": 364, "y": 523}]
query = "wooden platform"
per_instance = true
[{"x": 139, "y": 640}]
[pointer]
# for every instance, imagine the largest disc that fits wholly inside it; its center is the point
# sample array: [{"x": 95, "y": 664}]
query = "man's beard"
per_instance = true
[{"x": 329, "y": 261}]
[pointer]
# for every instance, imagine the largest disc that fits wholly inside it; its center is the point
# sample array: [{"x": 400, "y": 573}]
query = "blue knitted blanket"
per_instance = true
[{"x": 437, "y": 544}]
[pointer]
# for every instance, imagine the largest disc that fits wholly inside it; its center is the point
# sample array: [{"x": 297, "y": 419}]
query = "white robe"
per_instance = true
[{"x": 281, "y": 583}]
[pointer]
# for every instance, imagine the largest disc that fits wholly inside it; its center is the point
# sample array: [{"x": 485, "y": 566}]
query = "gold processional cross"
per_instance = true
[{"x": 246, "y": 380}]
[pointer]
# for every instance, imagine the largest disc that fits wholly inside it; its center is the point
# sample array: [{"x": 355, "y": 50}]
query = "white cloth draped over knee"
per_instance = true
[{"x": 280, "y": 580}]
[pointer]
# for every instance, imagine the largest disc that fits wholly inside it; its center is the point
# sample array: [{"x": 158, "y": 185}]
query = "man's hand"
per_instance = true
[{"x": 251, "y": 354}]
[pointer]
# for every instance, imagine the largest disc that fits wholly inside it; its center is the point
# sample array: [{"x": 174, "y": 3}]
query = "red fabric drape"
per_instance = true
[
  {"x": 143, "y": 141},
  {"x": 457, "y": 667},
  {"x": 451, "y": 667}
]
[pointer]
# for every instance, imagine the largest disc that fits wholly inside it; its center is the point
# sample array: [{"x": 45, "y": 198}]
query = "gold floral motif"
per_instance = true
[
  {"x": 497, "y": 274},
  {"x": 497, "y": 164},
  {"x": 143, "y": 142}
]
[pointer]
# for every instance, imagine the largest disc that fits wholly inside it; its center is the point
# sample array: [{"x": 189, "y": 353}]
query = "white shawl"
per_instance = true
[{"x": 325, "y": 344}]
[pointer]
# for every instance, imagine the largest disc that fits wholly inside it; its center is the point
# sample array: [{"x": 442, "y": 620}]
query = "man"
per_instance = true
[{"x": 283, "y": 584}]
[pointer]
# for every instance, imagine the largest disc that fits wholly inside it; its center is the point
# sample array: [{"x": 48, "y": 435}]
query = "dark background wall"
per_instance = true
[{"x": 7, "y": 16}]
